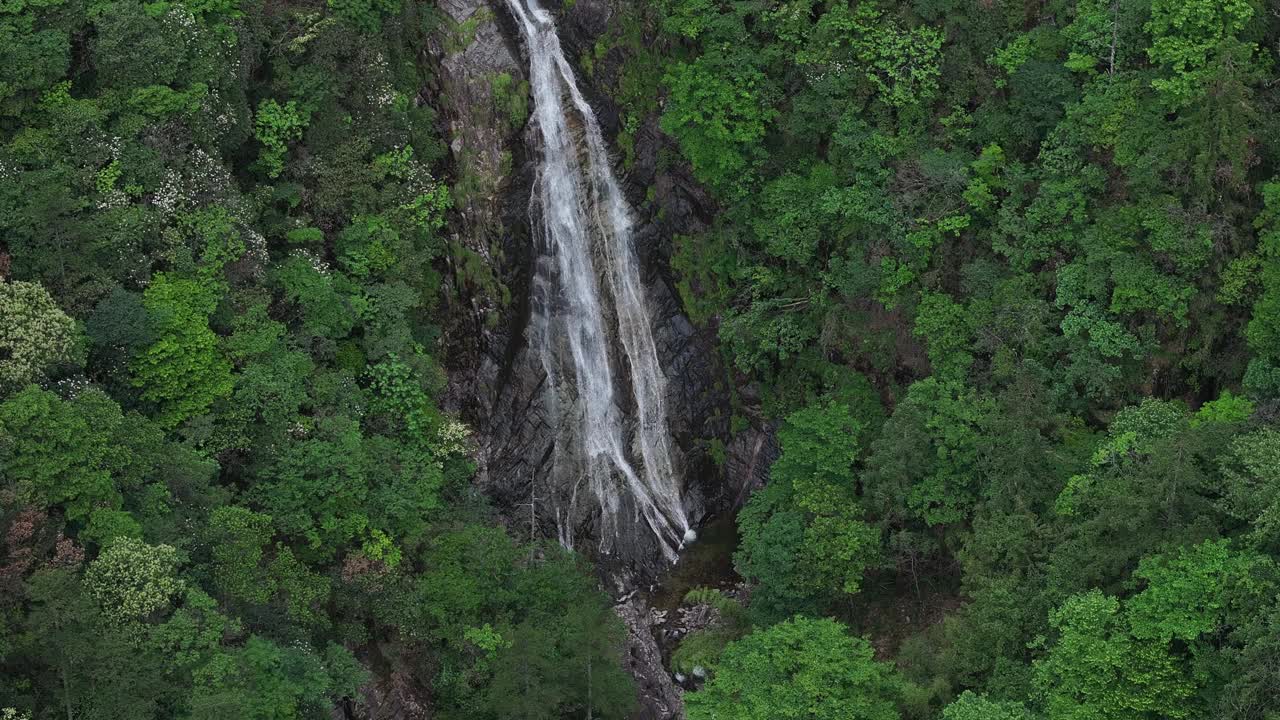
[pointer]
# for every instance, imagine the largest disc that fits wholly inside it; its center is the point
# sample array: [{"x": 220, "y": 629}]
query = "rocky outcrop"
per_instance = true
[
  {"x": 658, "y": 695},
  {"x": 392, "y": 697},
  {"x": 671, "y": 203},
  {"x": 478, "y": 62},
  {"x": 476, "y": 58},
  {"x": 498, "y": 385}
]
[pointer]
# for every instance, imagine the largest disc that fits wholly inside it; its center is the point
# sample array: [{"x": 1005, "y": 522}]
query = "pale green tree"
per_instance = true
[
  {"x": 803, "y": 669},
  {"x": 130, "y": 580},
  {"x": 35, "y": 334}
]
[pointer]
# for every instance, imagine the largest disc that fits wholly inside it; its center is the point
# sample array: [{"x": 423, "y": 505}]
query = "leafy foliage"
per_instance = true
[
  {"x": 183, "y": 372},
  {"x": 131, "y": 580},
  {"x": 36, "y": 335},
  {"x": 1003, "y": 277},
  {"x": 811, "y": 668},
  {"x": 803, "y": 537},
  {"x": 1045, "y": 236},
  {"x": 225, "y": 477}
]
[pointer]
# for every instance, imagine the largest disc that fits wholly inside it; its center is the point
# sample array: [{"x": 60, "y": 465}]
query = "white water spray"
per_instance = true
[{"x": 587, "y": 289}]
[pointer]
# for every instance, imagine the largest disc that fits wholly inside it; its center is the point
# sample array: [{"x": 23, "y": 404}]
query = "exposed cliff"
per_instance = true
[{"x": 497, "y": 383}]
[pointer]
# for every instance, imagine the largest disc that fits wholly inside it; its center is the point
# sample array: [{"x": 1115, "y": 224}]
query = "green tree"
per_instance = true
[
  {"x": 183, "y": 372},
  {"x": 262, "y": 681},
  {"x": 803, "y": 536},
  {"x": 276, "y": 126},
  {"x": 925, "y": 461},
  {"x": 943, "y": 324},
  {"x": 237, "y": 537},
  {"x": 1105, "y": 36},
  {"x": 772, "y": 554},
  {"x": 900, "y": 64},
  {"x": 84, "y": 665},
  {"x": 1251, "y": 474},
  {"x": 468, "y": 579},
  {"x": 1147, "y": 482},
  {"x": 316, "y": 489},
  {"x": 800, "y": 668},
  {"x": 1187, "y": 35},
  {"x": 132, "y": 580},
  {"x": 59, "y": 453},
  {"x": 565, "y": 655},
  {"x": 323, "y": 297},
  {"x": 1263, "y": 331},
  {"x": 1188, "y": 592},
  {"x": 1097, "y": 669},
  {"x": 1250, "y": 691},
  {"x": 970, "y": 706},
  {"x": 35, "y": 335},
  {"x": 719, "y": 113},
  {"x": 820, "y": 444},
  {"x": 366, "y": 15}
]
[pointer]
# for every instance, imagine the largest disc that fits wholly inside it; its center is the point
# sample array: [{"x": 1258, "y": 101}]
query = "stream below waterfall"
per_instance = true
[{"x": 706, "y": 563}]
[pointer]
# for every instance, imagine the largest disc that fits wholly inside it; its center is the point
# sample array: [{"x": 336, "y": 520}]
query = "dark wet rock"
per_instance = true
[
  {"x": 393, "y": 697},
  {"x": 499, "y": 386},
  {"x": 474, "y": 52},
  {"x": 659, "y": 697},
  {"x": 496, "y": 383}
]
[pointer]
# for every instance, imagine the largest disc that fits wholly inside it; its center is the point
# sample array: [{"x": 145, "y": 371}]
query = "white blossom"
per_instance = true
[{"x": 320, "y": 266}]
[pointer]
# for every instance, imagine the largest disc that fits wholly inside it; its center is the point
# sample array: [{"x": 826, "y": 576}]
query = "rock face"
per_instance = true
[
  {"x": 659, "y": 697},
  {"x": 497, "y": 383},
  {"x": 476, "y": 55}
]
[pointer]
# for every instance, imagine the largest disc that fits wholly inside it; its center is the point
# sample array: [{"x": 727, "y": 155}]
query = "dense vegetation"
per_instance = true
[
  {"x": 226, "y": 490},
  {"x": 1004, "y": 274},
  {"x": 1008, "y": 275}
]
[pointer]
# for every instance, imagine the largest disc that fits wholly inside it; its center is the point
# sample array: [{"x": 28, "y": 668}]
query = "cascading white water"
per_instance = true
[{"x": 585, "y": 225}]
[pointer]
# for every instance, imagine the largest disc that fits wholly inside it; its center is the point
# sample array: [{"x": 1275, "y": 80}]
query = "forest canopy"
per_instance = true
[
  {"x": 1002, "y": 278},
  {"x": 227, "y": 489},
  {"x": 1005, "y": 275}
]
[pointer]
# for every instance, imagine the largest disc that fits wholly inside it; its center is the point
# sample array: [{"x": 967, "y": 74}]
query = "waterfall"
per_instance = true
[{"x": 587, "y": 295}]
